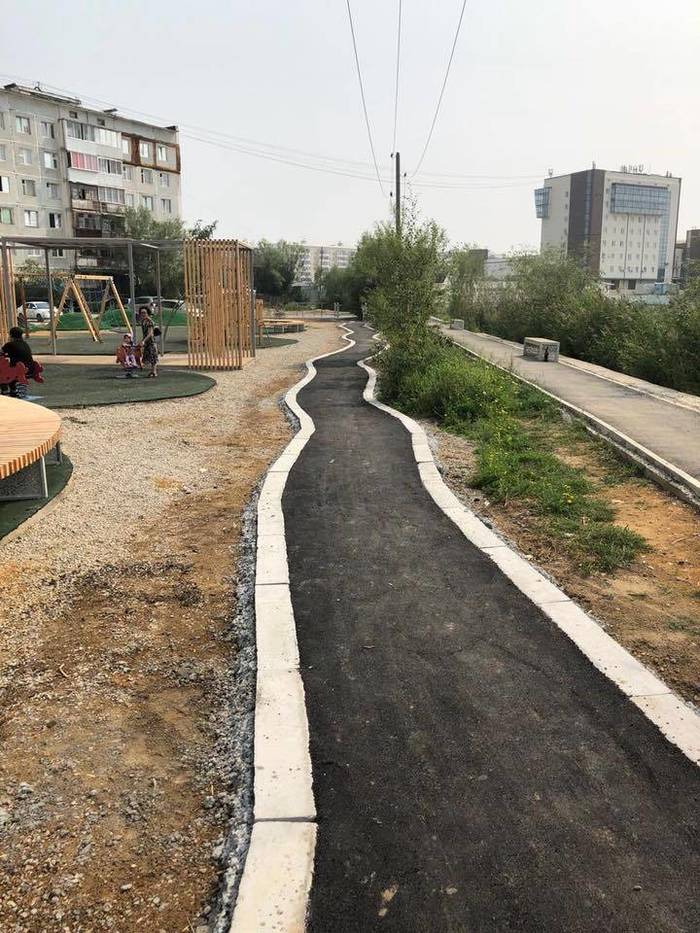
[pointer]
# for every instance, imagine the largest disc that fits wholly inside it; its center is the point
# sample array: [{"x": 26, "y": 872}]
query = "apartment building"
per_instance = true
[
  {"x": 322, "y": 258},
  {"x": 688, "y": 257},
  {"x": 621, "y": 224},
  {"x": 69, "y": 170}
]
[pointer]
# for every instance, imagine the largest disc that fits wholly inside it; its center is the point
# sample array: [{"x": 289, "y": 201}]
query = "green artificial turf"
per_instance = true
[
  {"x": 73, "y": 385},
  {"x": 12, "y": 514}
]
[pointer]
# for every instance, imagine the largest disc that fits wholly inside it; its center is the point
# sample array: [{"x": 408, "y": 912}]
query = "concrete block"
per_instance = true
[
  {"x": 276, "y": 881},
  {"x": 542, "y": 349},
  {"x": 275, "y": 629},
  {"x": 421, "y": 450},
  {"x": 528, "y": 580},
  {"x": 284, "y": 463},
  {"x": 457, "y": 324},
  {"x": 270, "y": 519},
  {"x": 272, "y": 488},
  {"x": 271, "y": 560},
  {"x": 282, "y": 783}
]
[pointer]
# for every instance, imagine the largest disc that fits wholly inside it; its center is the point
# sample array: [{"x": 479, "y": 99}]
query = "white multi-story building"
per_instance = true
[
  {"x": 621, "y": 224},
  {"x": 322, "y": 258},
  {"x": 69, "y": 170}
]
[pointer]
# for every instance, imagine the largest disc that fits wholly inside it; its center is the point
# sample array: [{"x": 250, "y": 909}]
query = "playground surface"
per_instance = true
[
  {"x": 472, "y": 770},
  {"x": 75, "y": 385},
  {"x": 14, "y": 514},
  {"x": 125, "y": 677}
]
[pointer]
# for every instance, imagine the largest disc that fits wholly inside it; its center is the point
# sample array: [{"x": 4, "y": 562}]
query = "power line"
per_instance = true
[
  {"x": 364, "y": 102},
  {"x": 442, "y": 90},
  {"x": 396, "y": 91},
  {"x": 284, "y": 154}
]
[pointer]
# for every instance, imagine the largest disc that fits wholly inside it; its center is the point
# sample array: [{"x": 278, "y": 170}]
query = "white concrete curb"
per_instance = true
[
  {"x": 679, "y": 722},
  {"x": 274, "y": 889}
]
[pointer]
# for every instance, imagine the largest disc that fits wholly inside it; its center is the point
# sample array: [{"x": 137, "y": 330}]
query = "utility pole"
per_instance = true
[{"x": 397, "y": 166}]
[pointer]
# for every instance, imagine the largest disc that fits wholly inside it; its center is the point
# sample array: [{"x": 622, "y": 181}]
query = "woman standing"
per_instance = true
[{"x": 149, "y": 353}]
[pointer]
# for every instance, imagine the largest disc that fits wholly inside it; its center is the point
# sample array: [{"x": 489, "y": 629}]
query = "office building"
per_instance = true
[
  {"x": 621, "y": 224},
  {"x": 69, "y": 170}
]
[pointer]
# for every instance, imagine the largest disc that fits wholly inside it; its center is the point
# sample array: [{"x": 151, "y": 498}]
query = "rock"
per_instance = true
[
  {"x": 126, "y": 887},
  {"x": 25, "y": 790}
]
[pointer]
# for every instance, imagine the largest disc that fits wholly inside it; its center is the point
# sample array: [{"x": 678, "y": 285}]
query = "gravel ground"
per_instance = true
[{"x": 128, "y": 671}]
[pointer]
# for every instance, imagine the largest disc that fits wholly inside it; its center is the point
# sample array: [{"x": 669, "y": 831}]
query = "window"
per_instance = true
[
  {"x": 55, "y": 220},
  {"x": 83, "y": 161},
  {"x": 126, "y": 171},
  {"x": 126, "y": 146},
  {"x": 100, "y": 121},
  {"x": 5, "y": 215},
  {"x": 95, "y": 134},
  {"x": 22, "y": 125},
  {"x": 146, "y": 176},
  {"x": 109, "y": 166},
  {"x": 50, "y": 160},
  {"x": 57, "y": 254},
  {"x": 166, "y": 205},
  {"x": 111, "y": 195},
  {"x": 129, "y": 200},
  {"x": 46, "y": 129},
  {"x": 73, "y": 113},
  {"x": 162, "y": 154},
  {"x": 542, "y": 202},
  {"x": 29, "y": 187},
  {"x": 52, "y": 189},
  {"x": 164, "y": 179},
  {"x": 3, "y": 153},
  {"x": 147, "y": 201},
  {"x": 145, "y": 150},
  {"x": 31, "y": 218},
  {"x": 4, "y": 184},
  {"x": 2, "y": 120},
  {"x": 24, "y": 156}
]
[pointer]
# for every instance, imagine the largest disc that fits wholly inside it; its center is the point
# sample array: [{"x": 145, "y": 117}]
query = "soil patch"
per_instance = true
[{"x": 126, "y": 685}]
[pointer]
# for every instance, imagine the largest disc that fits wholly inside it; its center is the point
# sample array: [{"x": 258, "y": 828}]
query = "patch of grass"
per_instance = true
[
  {"x": 686, "y": 625},
  {"x": 514, "y": 428}
]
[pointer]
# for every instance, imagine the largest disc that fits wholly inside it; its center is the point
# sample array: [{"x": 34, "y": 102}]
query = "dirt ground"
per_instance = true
[
  {"x": 651, "y": 607},
  {"x": 121, "y": 766}
]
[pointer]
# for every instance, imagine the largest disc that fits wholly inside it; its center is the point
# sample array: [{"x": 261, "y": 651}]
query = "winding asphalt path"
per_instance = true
[{"x": 472, "y": 771}]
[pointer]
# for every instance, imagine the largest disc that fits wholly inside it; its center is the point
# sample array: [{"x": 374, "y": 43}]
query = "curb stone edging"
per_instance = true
[
  {"x": 678, "y": 721},
  {"x": 274, "y": 888}
]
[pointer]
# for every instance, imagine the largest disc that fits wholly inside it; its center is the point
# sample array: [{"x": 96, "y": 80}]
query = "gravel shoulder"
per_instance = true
[{"x": 126, "y": 676}]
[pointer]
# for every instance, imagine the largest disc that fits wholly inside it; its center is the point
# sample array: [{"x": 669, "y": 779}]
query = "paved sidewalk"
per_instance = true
[
  {"x": 472, "y": 771},
  {"x": 671, "y": 432}
]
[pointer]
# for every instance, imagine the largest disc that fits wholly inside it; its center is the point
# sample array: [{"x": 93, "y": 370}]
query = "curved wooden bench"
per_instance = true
[{"x": 27, "y": 433}]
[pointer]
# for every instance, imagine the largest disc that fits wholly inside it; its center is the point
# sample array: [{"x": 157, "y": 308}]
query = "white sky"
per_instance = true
[{"x": 547, "y": 84}]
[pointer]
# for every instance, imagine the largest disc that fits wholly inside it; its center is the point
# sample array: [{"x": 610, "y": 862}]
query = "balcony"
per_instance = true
[{"x": 97, "y": 207}]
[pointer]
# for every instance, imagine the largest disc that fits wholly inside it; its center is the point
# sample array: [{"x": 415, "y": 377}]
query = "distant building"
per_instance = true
[
  {"x": 498, "y": 268},
  {"x": 68, "y": 170},
  {"x": 621, "y": 224},
  {"x": 690, "y": 256},
  {"x": 322, "y": 258}
]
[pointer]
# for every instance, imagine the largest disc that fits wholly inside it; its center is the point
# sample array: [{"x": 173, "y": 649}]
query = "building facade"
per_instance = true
[
  {"x": 317, "y": 259},
  {"x": 68, "y": 170},
  {"x": 622, "y": 224}
]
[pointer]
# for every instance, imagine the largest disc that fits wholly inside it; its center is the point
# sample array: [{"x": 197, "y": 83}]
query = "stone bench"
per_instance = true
[{"x": 541, "y": 349}]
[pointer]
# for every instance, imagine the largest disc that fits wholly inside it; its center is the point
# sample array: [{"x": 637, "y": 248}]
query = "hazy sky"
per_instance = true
[{"x": 552, "y": 84}]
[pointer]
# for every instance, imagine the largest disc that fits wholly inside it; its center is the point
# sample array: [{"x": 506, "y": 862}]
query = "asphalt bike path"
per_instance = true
[
  {"x": 668, "y": 430},
  {"x": 472, "y": 770}
]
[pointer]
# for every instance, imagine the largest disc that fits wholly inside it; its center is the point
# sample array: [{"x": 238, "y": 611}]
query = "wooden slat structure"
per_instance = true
[
  {"x": 8, "y": 317},
  {"x": 218, "y": 292},
  {"x": 27, "y": 433}
]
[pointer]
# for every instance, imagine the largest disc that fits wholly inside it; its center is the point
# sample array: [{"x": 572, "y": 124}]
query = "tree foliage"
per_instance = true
[
  {"x": 276, "y": 267},
  {"x": 465, "y": 268},
  {"x": 402, "y": 271},
  {"x": 346, "y": 286}
]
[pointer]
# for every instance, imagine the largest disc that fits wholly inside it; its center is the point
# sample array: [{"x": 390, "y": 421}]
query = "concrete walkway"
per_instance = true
[
  {"x": 669, "y": 431},
  {"x": 472, "y": 771}
]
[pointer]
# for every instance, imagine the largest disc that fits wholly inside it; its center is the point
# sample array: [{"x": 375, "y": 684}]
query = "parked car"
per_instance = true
[
  {"x": 151, "y": 303},
  {"x": 38, "y": 311}
]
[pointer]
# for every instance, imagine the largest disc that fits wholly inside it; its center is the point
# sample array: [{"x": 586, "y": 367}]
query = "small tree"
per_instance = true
[
  {"x": 465, "y": 268},
  {"x": 403, "y": 270},
  {"x": 276, "y": 267}
]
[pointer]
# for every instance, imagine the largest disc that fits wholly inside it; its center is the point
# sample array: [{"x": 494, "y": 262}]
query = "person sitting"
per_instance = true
[
  {"x": 18, "y": 351},
  {"x": 128, "y": 355}
]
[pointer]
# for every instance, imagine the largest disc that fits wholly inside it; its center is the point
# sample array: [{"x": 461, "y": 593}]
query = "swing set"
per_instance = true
[{"x": 74, "y": 288}]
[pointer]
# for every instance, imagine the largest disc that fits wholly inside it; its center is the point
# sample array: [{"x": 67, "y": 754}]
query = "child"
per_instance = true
[{"x": 127, "y": 355}]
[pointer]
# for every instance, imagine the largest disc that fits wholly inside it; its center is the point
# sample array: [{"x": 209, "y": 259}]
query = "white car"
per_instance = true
[{"x": 36, "y": 311}]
